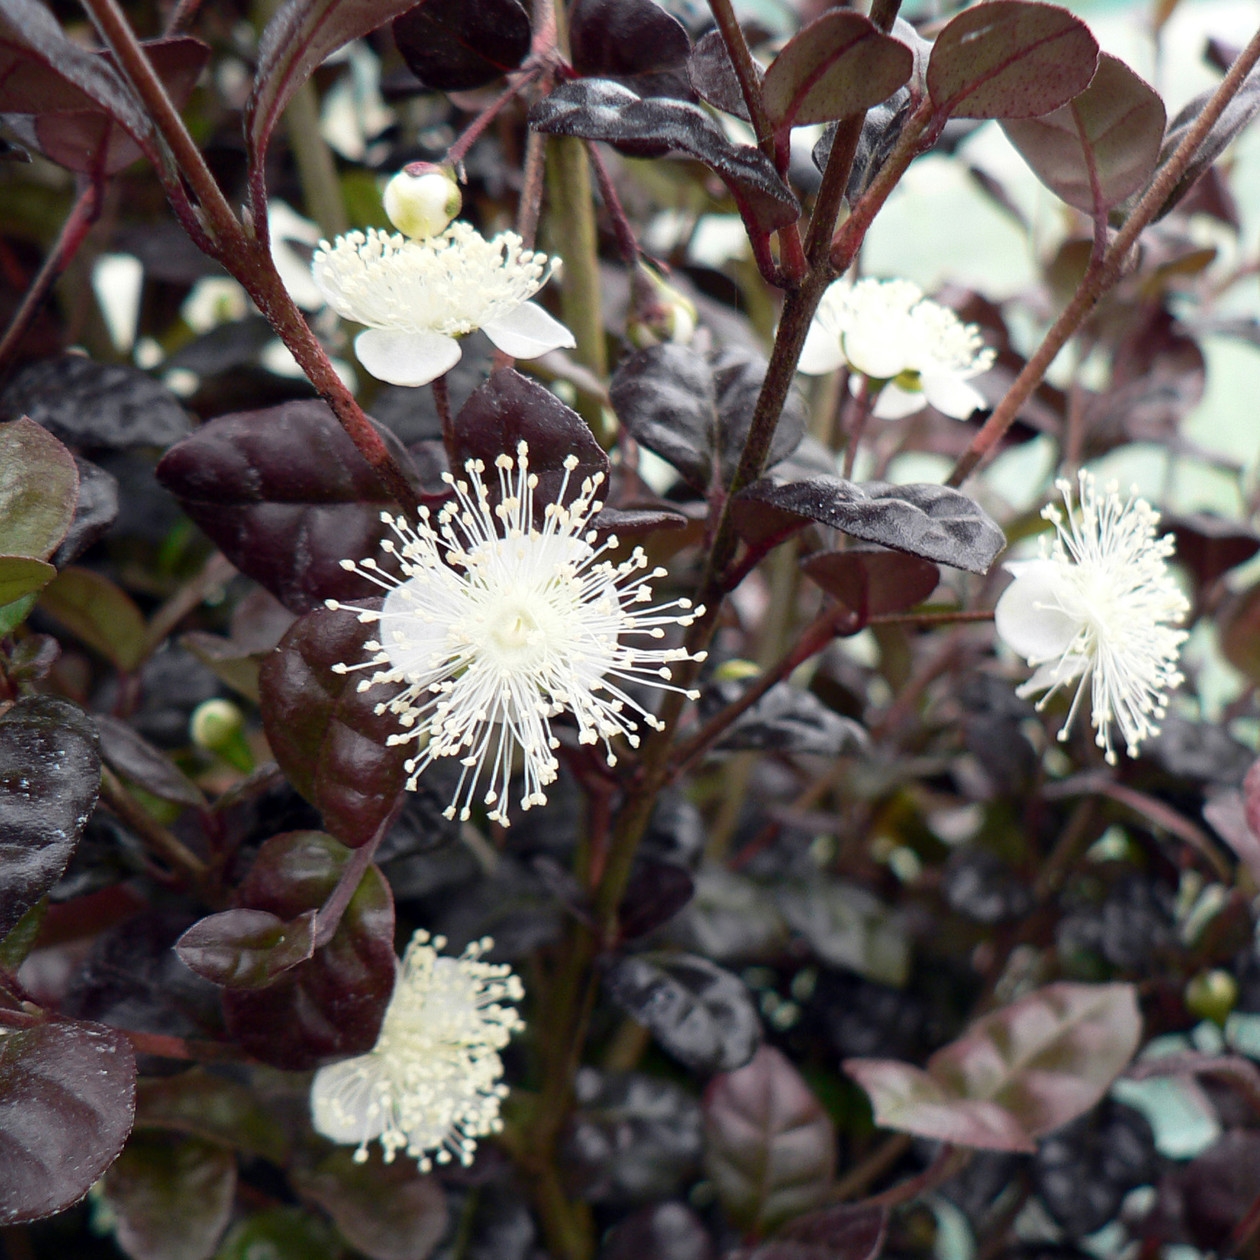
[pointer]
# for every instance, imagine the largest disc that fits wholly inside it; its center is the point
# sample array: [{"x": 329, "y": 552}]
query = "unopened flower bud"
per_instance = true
[
  {"x": 219, "y": 727},
  {"x": 736, "y": 671},
  {"x": 422, "y": 199},
  {"x": 658, "y": 311},
  {"x": 1212, "y": 995}
]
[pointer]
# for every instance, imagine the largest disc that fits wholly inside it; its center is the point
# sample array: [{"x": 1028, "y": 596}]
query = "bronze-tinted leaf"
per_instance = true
[
  {"x": 212, "y": 1107},
  {"x": 454, "y": 45},
  {"x": 871, "y": 580},
  {"x": 39, "y": 485},
  {"x": 618, "y": 38},
  {"x": 100, "y": 613},
  {"x": 246, "y": 949},
  {"x": 130, "y": 755}
]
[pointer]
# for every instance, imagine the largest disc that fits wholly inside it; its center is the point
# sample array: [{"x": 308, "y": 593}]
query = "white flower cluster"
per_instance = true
[
  {"x": 418, "y": 296},
  {"x": 1098, "y": 609},
  {"x": 432, "y": 1084},
  {"x": 498, "y": 626},
  {"x": 914, "y": 349}
]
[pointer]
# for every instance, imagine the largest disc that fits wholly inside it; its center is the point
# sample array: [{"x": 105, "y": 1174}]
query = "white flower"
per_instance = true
[
  {"x": 889, "y": 332},
  {"x": 431, "y": 1084},
  {"x": 417, "y": 296},
  {"x": 1098, "y": 610},
  {"x": 422, "y": 199},
  {"x": 499, "y": 626}
]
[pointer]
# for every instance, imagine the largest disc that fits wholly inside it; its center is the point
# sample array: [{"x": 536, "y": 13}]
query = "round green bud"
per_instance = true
[
  {"x": 219, "y": 727},
  {"x": 422, "y": 199},
  {"x": 736, "y": 671},
  {"x": 1212, "y": 995}
]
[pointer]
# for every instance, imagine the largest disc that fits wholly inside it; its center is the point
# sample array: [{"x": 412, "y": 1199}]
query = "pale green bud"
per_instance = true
[
  {"x": 658, "y": 311},
  {"x": 736, "y": 671},
  {"x": 422, "y": 199},
  {"x": 1212, "y": 995},
  {"x": 219, "y": 727}
]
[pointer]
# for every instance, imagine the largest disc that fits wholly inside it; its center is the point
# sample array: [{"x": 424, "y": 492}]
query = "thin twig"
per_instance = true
[{"x": 162, "y": 842}]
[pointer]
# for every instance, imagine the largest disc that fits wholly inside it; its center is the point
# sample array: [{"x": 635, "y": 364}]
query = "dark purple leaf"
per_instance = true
[
  {"x": 286, "y": 496},
  {"x": 837, "y": 65},
  {"x": 845, "y": 1232},
  {"x": 699, "y": 1013},
  {"x": 246, "y": 949},
  {"x": 1014, "y": 1075},
  {"x": 617, "y": 38},
  {"x": 133, "y": 757},
  {"x": 630, "y": 1139},
  {"x": 848, "y": 927},
  {"x": 300, "y": 36},
  {"x": 931, "y": 521},
  {"x": 67, "y": 1098},
  {"x": 1101, "y": 146},
  {"x": 95, "y": 406},
  {"x": 324, "y": 731},
  {"x": 872, "y": 581},
  {"x": 656, "y": 892},
  {"x": 1238, "y": 624},
  {"x": 214, "y": 1108},
  {"x": 1209, "y": 546},
  {"x": 787, "y": 719},
  {"x": 510, "y": 408},
  {"x": 770, "y": 1148},
  {"x": 172, "y": 1196},
  {"x": 714, "y": 78},
  {"x": 661, "y": 1231},
  {"x": 37, "y": 492},
  {"x": 94, "y": 512},
  {"x": 598, "y": 109},
  {"x": 386, "y": 1211},
  {"x": 1010, "y": 59},
  {"x": 333, "y": 1004},
  {"x": 454, "y": 45},
  {"x": 50, "y": 772}
]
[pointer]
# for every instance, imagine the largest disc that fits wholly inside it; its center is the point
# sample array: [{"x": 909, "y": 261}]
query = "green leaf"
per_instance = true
[
  {"x": 1014, "y": 1075},
  {"x": 839, "y": 64},
  {"x": 1010, "y": 59},
  {"x": 1101, "y": 146},
  {"x": 21, "y": 576},
  {"x": 39, "y": 485},
  {"x": 770, "y": 1148},
  {"x": 172, "y": 1196},
  {"x": 99, "y": 613}
]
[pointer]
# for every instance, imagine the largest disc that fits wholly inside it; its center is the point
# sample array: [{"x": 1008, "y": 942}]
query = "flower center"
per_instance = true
[{"x": 516, "y": 631}]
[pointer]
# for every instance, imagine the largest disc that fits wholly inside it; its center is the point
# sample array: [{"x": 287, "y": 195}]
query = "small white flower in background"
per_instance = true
[
  {"x": 432, "y": 1083},
  {"x": 418, "y": 295},
  {"x": 887, "y": 331},
  {"x": 498, "y": 626},
  {"x": 1098, "y": 610}
]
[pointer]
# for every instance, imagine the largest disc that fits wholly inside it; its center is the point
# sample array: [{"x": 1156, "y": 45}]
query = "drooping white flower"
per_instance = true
[
  {"x": 919, "y": 351},
  {"x": 1099, "y": 609},
  {"x": 418, "y": 296},
  {"x": 432, "y": 1084},
  {"x": 498, "y": 626}
]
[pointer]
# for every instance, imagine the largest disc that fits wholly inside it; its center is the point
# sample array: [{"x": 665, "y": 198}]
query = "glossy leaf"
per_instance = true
[
  {"x": 837, "y": 65},
  {"x": 617, "y": 38},
  {"x": 300, "y": 36},
  {"x": 787, "y": 719},
  {"x": 95, "y": 511},
  {"x": 99, "y": 613},
  {"x": 848, "y": 927},
  {"x": 699, "y": 1013},
  {"x": 714, "y": 79},
  {"x": 20, "y": 576},
  {"x": 1016, "y": 1074},
  {"x": 930, "y": 521},
  {"x": 212, "y": 1107},
  {"x": 1101, "y": 146},
  {"x": 845, "y": 1232},
  {"x": 872, "y": 581},
  {"x": 1010, "y": 59},
  {"x": 50, "y": 772},
  {"x": 39, "y": 485},
  {"x": 286, "y": 496},
  {"x": 95, "y": 406},
  {"x": 171, "y": 1196},
  {"x": 770, "y": 1148},
  {"x": 454, "y": 45},
  {"x": 130, "y": 755},
  {"x": 509, "y": 409},
  {"x": 324, "y": 731},
  {"x": 67, "y": 1098},
  {"x": 331, "y": 1005},
  {"x": 246, "y": 949},
  {"x": 386, "y": 1211},
  {"x": 598, "y": 109}
]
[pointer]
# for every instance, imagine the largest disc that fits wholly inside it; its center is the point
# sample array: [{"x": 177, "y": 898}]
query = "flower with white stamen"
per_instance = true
[
  {"x": 1098, "y": 610},
  {"x": 498, "y": 626},
  {"x": 417, "y": 297},
  {"x": 914, "y": 350},
  {"x": 432, "y": 1083}
]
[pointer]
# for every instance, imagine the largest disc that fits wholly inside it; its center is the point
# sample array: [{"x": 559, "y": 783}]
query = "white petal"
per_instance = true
[
  {"x": 1052, "y": 674},
  {"x": 346, "y": 1101},
  {"x": 527, "y": 332},
  {"x": 406, "y": 358},
  {"x": 877, "y": 352},
  {"x": 416, "y": 620},
  {"x": 894, "y": 402},
  {"x": 951, "y": 395},
  {"x": 1030, "y": 617},
  {"x": 821, "y": 352}
]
